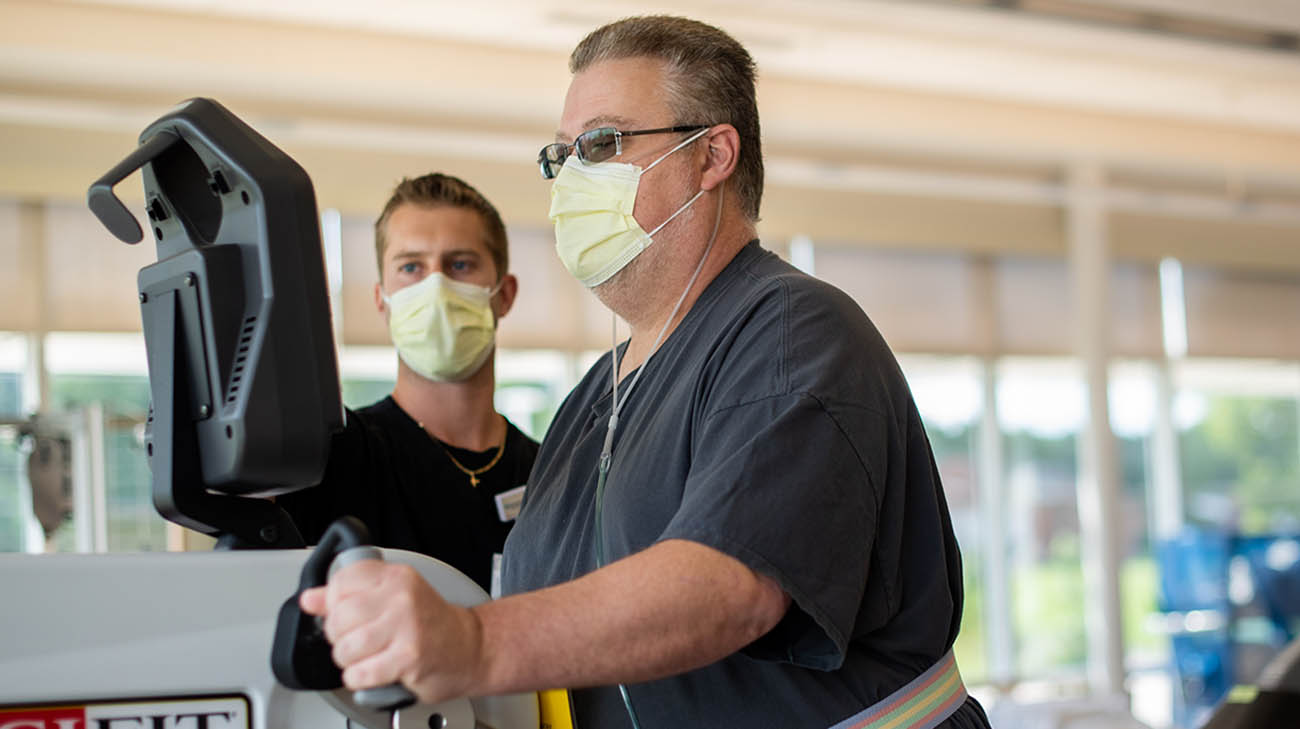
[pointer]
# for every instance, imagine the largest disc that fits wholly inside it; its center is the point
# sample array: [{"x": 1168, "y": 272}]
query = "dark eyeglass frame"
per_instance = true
[{"x": 588, "y": 146}]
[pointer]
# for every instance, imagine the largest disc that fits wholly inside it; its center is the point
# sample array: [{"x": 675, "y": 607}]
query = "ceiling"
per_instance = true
[
  {"x": 1192, "y": 108},
  {"x": 1270, "y": 24}
]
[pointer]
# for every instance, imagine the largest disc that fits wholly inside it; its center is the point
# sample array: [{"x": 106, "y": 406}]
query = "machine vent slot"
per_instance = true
[{"x": 241, "y": 359}]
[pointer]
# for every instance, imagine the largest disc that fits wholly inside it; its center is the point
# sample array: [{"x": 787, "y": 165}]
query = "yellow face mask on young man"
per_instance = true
[
  {"x": 591, "y": 207},
  {"x": 444, "y": 330}
]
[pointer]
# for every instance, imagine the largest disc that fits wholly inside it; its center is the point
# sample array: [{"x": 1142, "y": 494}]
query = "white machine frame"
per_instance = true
[{"x": 88, "y": 629}]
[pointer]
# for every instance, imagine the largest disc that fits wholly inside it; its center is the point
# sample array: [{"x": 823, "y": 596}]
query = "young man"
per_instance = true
[
  {"x": 748, "y": 529},
  {"x": 427, "y": 467}
]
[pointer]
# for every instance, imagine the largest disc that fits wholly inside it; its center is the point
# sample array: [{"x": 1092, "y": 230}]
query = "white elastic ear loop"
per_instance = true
[
  {"x": 688, "y": 203},
  {"x": 680, "y": 210},
  {"x": 683, "y": 143}
]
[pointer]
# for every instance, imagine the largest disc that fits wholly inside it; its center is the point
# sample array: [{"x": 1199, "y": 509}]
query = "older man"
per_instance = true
[{"x": 735, "y": 515}]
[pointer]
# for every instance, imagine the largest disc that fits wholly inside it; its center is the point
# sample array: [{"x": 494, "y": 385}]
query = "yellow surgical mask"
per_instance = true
[
  {"x": 443, "y": 329},
  {"x": 591, "y": 207}
]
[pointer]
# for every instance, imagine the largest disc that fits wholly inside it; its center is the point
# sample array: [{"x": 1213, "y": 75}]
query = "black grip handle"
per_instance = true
[
  {"x": 347, "y": 532},
  {"x": 107, "y": 206},
  {"x": 382, "y": 698},
  {"x": 300, "y": 654},
  {"x": 392, "y": 697}
]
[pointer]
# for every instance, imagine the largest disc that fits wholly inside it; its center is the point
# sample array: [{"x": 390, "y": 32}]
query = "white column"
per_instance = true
[
  {"x": 1098, "y": 477},
  {"x": 1167, "y": 511},
  {"x": 93, "y": 423},
  {"x": 85, "y": 509},
  {"x": 36, "y": 390},
  {"x": 331, "y": 233},
  {"x": 993, "y": 510},
  {"x": 802, "y": 256}
]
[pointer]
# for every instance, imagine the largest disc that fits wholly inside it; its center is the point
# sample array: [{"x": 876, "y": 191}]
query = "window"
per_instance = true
[
  {"x": 1240, "y": 444},
  {"x": 948, "y": 395},
  {"x": 531, "y": 384},
  {"x": 14, "y": 504},
  {"x": 110, "y": 369},
  {"x": 1041, "y": 406},
  {"x": 1133, "y": 404},
  {"x": 366, "y": 374},
  {"x": 1134, "y": 411}
]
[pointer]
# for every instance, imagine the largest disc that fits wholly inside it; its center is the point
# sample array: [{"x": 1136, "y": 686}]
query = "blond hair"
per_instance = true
[{"x": 436, "y": 189}]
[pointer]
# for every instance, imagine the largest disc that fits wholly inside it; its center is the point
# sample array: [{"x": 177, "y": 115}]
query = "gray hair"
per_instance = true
[{"x": 710, "y": 80}]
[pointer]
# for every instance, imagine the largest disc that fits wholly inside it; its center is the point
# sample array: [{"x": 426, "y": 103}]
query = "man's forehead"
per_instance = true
[
  {"x": 625, "y": 93},
  {"x": 416, "y": 230}
]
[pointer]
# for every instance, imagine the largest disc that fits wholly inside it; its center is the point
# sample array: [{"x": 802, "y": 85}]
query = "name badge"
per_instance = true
[{"x": 509, "y": 503}]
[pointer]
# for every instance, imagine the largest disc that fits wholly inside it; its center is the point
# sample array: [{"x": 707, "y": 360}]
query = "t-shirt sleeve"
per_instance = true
[
  {"x": 313, "y": 509},
  {"x": 778, "y": 484}
]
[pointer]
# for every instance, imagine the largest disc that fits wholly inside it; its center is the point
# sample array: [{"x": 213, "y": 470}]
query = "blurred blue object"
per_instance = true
[
  {"x": 1194, "y": 594},
  {"x": 1230, "y": 603}
]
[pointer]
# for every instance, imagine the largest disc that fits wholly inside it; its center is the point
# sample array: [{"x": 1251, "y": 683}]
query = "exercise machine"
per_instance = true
[{"x": 245, "y": 396}]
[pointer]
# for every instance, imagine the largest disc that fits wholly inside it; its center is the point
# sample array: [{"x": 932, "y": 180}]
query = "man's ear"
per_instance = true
[
  {"x": 505, "y": 296},
  {"x": 723, "y": 145},
  {"x": 380, "y": 306}
]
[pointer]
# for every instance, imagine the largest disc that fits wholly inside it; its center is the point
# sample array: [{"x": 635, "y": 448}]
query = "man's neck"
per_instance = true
[
  {"x": 657, "y": 298},
  {"x": 460, "y": 414}
]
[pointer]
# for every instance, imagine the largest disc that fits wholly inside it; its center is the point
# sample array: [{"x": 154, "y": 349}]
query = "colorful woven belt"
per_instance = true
[{"x": 922, "y": 704}]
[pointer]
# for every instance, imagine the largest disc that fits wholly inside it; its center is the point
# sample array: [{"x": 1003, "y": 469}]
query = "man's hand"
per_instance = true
[
  {"x": 673, "y": 607},
  {"x": 387, "y": 624}
]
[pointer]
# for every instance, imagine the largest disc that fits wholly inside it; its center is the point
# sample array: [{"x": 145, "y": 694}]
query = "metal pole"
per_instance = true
[
  {"x": 35, "y": 385},
  {"x": 93, "y": 416},
  {"x": 1098, "y": 477},
  {"x": 1166, "y": 473},
  {"x": 83, "y": 489},
  {"x": 31, "y": 232},
  {"x": 1166, "y": 470}
]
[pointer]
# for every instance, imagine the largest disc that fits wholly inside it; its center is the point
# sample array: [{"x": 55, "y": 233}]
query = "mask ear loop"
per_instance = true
[
  {"x": 688, "y": 203},
  {"x": 607, "y": 450},
  {"x": 667, "y": 154}
]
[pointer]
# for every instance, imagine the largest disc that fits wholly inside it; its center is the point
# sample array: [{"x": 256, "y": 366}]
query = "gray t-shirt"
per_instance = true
[{"x": 773, "y": 425}]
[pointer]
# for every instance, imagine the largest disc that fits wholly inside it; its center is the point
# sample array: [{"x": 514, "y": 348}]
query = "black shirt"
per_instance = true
[
  {"x": 387, "y": 471},
  {"x": 775, "y": 426}
]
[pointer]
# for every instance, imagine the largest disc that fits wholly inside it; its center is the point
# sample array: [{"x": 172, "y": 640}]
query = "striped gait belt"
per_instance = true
[{"x": 922, "y": 704}]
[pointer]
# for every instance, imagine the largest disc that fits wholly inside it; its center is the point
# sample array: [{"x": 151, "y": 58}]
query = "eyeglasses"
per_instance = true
[{"x": 597, "y": 145}]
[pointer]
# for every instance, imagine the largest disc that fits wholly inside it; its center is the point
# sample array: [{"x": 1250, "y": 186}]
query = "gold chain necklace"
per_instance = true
[{"x": 473, "y": 474}]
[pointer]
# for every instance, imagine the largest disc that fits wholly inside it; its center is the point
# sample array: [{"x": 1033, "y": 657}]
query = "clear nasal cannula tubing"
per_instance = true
[{"x": 607, "y": 451}]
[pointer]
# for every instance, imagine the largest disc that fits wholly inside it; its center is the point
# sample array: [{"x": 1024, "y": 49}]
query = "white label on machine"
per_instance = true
[{"x": 224, "y": 712}]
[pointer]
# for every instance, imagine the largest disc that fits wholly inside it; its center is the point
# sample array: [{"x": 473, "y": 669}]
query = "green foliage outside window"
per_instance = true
[
  {"x": 11, "y": 523},
  {"x": 133, "y": 523},
  {"x": 1241, "y": 465}
]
